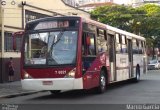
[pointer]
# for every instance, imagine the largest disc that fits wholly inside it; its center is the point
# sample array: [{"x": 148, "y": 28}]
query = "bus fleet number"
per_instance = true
[{"x": 61, "y": 72}]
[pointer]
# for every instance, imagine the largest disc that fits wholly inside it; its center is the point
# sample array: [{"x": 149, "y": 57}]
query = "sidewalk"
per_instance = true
[{"x": 13, "y": 89}]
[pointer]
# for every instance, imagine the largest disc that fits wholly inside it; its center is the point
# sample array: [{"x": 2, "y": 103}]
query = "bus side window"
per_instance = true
[
  {"x": 118, "y": 44},
  {"x": 137, "y": 42},
  {"x": 91, "y": 45},
  {"x": 135, "y": 46},
  {"x": 102, "y": 40},
  {"x": 140, "y": 47},
  {"x": 124, "y": 44},
  {"x": 143, "y": 48},
  {"x": 83, "y": 44},
  {"x": 88, "y": 44}
]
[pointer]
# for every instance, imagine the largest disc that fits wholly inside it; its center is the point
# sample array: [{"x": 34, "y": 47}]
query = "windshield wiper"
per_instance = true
[{"x": 59, "y": 38}]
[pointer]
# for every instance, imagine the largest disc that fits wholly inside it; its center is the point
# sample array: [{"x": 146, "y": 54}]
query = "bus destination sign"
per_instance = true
[{"x": 52, "y": 24}]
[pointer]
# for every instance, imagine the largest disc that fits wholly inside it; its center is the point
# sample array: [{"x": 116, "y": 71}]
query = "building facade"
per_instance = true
[
  {"x": 84, "y": 2},
  {"x": 14, "y": 14},
  {"x": 137, "y": 3},
  {"x": 90, "y": 7},
  {"x": 73, "y": 3}
]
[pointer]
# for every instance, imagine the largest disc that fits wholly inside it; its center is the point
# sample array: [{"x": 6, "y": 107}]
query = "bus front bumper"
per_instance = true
[{"x": 52, "y": 84}]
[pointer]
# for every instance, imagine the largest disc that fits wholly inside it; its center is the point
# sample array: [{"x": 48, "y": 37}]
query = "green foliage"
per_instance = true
[
  {"x": 114, "y": 15},
  {"x": 144, "y": 20},
  {"x": 151, "y": 9},
  {"x": 151, "y": 24}
]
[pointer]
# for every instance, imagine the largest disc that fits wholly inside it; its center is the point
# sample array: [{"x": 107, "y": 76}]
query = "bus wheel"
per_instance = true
[
  {"x": 102, "y": 83},
  {"x": 55, "y": 92}
]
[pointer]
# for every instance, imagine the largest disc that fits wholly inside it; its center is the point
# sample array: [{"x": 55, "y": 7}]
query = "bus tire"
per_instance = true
[
  {"x": 137, "y": 78},
  {"x": 102, "y": 83},
  {"x": 55, "y": 92}
]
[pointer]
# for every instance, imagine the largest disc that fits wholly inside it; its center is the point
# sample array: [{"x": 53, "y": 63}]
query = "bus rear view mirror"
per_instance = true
[{"x": 15, "y": 36}]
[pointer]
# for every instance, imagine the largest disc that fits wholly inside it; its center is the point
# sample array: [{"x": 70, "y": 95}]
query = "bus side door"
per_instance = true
[
  {"x": 112, "y": 57},
  {"x": 88, "y": 56},
  {"x": 130, "y": 55}
]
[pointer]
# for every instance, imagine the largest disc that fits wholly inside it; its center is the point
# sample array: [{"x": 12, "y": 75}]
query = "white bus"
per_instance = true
[{"x": 127, "y": 55}]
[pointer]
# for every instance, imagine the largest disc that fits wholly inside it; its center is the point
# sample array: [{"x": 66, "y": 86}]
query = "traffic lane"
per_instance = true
[{"x": 146, "y": 91}]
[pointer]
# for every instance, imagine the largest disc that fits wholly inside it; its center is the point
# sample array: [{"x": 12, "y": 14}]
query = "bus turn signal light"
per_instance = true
[
  {"x": 71, "y": 74},
  {"x": 27, "y": 76}
]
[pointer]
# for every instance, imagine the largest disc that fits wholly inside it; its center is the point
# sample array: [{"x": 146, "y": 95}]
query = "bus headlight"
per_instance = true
[
  {"x": 27, "y": 76},
  {"x": 71, "y": 74}
]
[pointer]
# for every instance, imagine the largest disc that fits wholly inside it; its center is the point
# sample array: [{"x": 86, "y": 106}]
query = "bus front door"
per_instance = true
[
  {"x": 130, "y": 55},
  {"x": 112, "y": 57}
]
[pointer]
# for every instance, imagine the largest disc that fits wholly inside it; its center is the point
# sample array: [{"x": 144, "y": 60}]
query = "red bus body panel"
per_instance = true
[
  {"x": 48, "y": 72},
  {"x": 79, "y": 53},
  {"x": 91, "y": 77}
]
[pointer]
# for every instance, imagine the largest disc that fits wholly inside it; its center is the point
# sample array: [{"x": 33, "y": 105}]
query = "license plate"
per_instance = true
[{"x": 47, "y": 82}]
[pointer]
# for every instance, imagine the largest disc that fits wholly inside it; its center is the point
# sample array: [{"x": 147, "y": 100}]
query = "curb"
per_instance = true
[{"x": 18, "y": 94}]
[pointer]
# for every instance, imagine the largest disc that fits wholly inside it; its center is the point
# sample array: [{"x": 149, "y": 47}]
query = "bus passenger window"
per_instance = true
[
  {"x": 102, "y": 41},
  {"x": 118, "y": 44},
  {"x": 140, "y": 48},
  {"x": 124, "y": 44},
  {"x": 143, "y": 47}
]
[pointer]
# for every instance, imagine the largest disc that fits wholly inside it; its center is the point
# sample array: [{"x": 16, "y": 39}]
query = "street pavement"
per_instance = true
[
  {"x": 119, "y": 96},
  {"x": 13, "y": 89},
  {"x": 144, "y": 88}
]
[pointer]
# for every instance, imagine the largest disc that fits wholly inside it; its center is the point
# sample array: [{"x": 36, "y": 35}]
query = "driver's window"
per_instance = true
[{"x": 88, "y": 44}]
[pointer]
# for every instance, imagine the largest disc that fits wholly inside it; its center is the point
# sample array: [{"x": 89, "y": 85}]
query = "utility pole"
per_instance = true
[
  {"x": 2, "y": 32},
  {"x": 2, "y": 36},
  {"x": 0, "y": 43}
]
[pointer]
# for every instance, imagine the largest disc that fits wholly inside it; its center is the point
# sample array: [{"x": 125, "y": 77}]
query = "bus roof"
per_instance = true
[
  {"x": 94, "y": 22},
  {"x": 108, "y": 27},
  {"x": 128, "y": 34}
]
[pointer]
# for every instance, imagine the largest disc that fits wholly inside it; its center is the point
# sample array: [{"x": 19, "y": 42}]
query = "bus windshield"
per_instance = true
[{"x": 50, "y": 48}]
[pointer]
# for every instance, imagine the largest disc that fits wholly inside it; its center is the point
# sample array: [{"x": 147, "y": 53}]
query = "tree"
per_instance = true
[
  {"x": 119, "y": 16},
  {"x": 144, "y": 20},
  {"x": 151, "y": 25}
]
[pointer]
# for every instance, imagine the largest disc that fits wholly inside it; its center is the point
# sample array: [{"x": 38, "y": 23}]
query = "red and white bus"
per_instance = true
[{"x": 69, "y": 53}]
